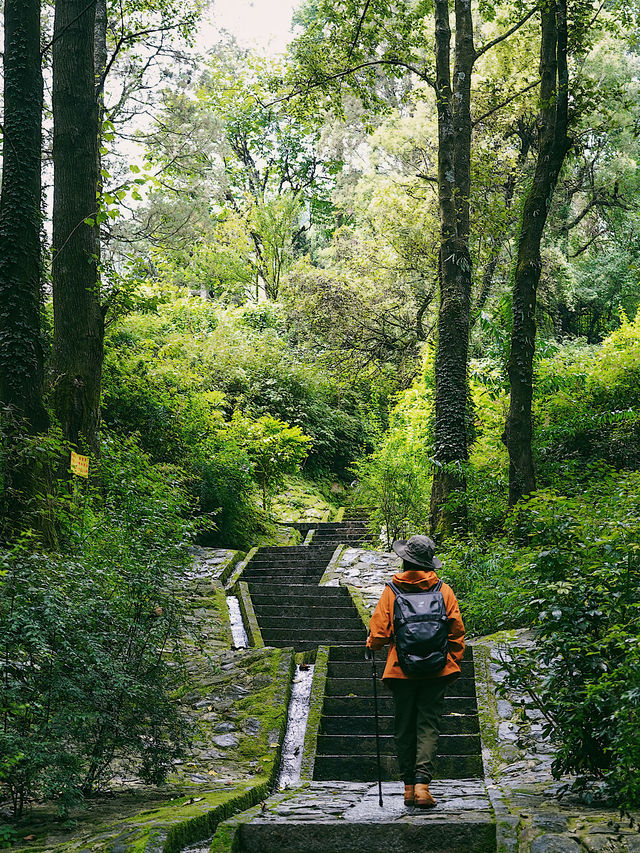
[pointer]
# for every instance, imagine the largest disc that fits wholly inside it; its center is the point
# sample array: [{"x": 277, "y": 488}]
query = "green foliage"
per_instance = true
[
  {"x": 90, "y": 637},
  {"x": 274, "y": 449},
  {"x": 395, "y": 480},
  {"x": 177, "y": 375},
  {"x": 588, "y": 408},
  {"x": 583, "y": 598}
]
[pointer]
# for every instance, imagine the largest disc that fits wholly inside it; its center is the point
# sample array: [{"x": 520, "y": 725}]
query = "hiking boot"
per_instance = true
[
  {"x": 422, "y": 796},
  {"x": 409, "y": 795}
]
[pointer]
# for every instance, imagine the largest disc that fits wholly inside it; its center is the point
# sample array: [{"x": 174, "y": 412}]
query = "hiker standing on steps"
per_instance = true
[{"x": 429, "y": 637}]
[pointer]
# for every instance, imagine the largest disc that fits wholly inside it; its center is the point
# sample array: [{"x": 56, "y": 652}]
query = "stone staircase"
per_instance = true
[
  {"x": 293, "y": 610},
  {"x": 290, "y": 606},
  {"x": 338, "y": 811},
  {"x": 346, "y": 741}
]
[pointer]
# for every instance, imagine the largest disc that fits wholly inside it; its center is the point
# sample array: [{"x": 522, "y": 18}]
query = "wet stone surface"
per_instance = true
[{"x": 320, "y": 802}]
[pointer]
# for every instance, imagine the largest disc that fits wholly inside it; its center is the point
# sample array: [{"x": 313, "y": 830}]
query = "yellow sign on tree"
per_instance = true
[{"x": 79, "y": 464}]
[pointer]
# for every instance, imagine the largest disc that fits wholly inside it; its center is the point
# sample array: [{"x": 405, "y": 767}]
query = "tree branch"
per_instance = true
[
  {"x": 50, "y": 44},
  {"x": 358, "y": 28},
  {"x": 506, "y": 35},
  {"x": 339, "y": 75},
  {"x": 505, "y": 103},
  {"x": 599, "y": 233}
]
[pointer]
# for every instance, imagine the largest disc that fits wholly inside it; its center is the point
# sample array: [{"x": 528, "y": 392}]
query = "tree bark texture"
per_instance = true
[
  {"x": 552, "y": 148},
  {"x": 454, "y": 171},
  {"x": 21, "y": 350},
  {"x": 78, "y": 317}
]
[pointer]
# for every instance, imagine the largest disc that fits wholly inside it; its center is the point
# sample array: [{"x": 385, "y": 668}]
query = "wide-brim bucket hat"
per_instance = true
[{"x": 419, "y": 551}]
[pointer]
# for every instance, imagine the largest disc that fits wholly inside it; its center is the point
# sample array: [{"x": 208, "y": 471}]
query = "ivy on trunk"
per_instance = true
[
  {"x": 21, "y": 351},
  {"x": 79, "y": 320},
  {"x": 553, "y": 144}
]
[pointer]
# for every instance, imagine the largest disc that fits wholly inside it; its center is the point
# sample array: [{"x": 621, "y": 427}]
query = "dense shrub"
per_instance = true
[
  {"x": 175, "y": 377},
  {"x": 588, "y": 408},
  {"x": 584, "y": 602},
  {"x": 90, "y": 637}
]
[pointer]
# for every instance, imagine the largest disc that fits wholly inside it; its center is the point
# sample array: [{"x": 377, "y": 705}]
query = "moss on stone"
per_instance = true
[
  {"x": 249, "y": 617},
  {"x": 360, "y": 605},
  {"x": 487, "y": 706},
  {"x": 316, "y": 703}
]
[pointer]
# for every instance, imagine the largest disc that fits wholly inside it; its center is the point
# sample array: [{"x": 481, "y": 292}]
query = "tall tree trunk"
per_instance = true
[
  {"x": 552, "y": 148},
  {"x": 21, "y": 351},
  {"x": 454, "y": 180},
  {"x": 78, "y": 318}
]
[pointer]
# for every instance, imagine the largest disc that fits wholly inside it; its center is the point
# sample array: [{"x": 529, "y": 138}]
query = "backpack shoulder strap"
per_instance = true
[{"x": 437, "y": 587}]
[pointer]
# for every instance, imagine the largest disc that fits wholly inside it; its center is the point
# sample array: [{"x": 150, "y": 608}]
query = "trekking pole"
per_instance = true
[{"x": 369, "y": 653}]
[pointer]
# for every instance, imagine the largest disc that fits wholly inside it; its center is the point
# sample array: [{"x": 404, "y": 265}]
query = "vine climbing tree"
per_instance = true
[
  {"x": 553, "y": 144},
  {"x": 21, "y": 350}
]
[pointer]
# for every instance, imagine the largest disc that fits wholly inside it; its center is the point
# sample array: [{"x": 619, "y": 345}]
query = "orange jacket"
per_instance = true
[{"x": 381, "y": 624}]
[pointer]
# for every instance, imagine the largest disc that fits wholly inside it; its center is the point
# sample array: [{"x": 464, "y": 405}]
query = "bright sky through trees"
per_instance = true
[{"x": 263, "y": 25}]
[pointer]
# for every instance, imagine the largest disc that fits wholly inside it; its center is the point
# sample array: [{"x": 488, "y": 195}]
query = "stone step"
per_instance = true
[
  {"x": 304, "y": 559},
  {"x": 364, "y": 687},
  {"x": 346, "y": 818},
  {"x": 286, "y": 565},
  {"x": 364, "y": 768},
  {"x": 361, "y": 744},
  {"x": 350, "y": 653},
  {"x": 366, "y": 725},
  {"x": 362, "y": 669},
  {"x": 315, "y": 607},
  {"x": 291, "y": 549},
  {"x": 322, "y": 622},
  {"x": 341, "y": 706},
  {"x": 300, "y": 596},
  {"x": 320, "y": 637},
  {"x": 278, "y": 579},
  {"x": 345, "y": 524},
  {"x": 321, "y": 537}
]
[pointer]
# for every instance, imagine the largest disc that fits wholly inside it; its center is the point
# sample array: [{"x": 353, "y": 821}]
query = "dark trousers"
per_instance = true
[{"x": 418, "y": 707}]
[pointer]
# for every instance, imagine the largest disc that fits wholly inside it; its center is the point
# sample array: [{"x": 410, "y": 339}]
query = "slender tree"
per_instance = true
[
  {"x": 553, "y": 144},
  {"x": 396, "y": 42},
  {"x": 453, "y": 104},
  {"x": 21, "y": 351},
  {"x": 78, "y": 315}
]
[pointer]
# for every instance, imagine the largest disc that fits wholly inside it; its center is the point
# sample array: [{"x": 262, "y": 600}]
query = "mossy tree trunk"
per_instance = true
[
  {"x": 21, "y": 350},
  {"x": 454, "y": 182},
  {"x": 553, "y": 144},
  {"x": 78, "y": 316}
]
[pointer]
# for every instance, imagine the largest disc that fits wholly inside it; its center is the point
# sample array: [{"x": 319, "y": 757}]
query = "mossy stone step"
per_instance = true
[
  {"x": 364, "y": 768},
  {"x": 341, "y": 706},
  {"x": 366, "y": 725},
  {"x": 360, "y": 744},
  {"x": 364, "y": 687}
]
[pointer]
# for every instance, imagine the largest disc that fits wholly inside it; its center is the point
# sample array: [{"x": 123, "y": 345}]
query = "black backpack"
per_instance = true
[{"x": 421, "y": 630}]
